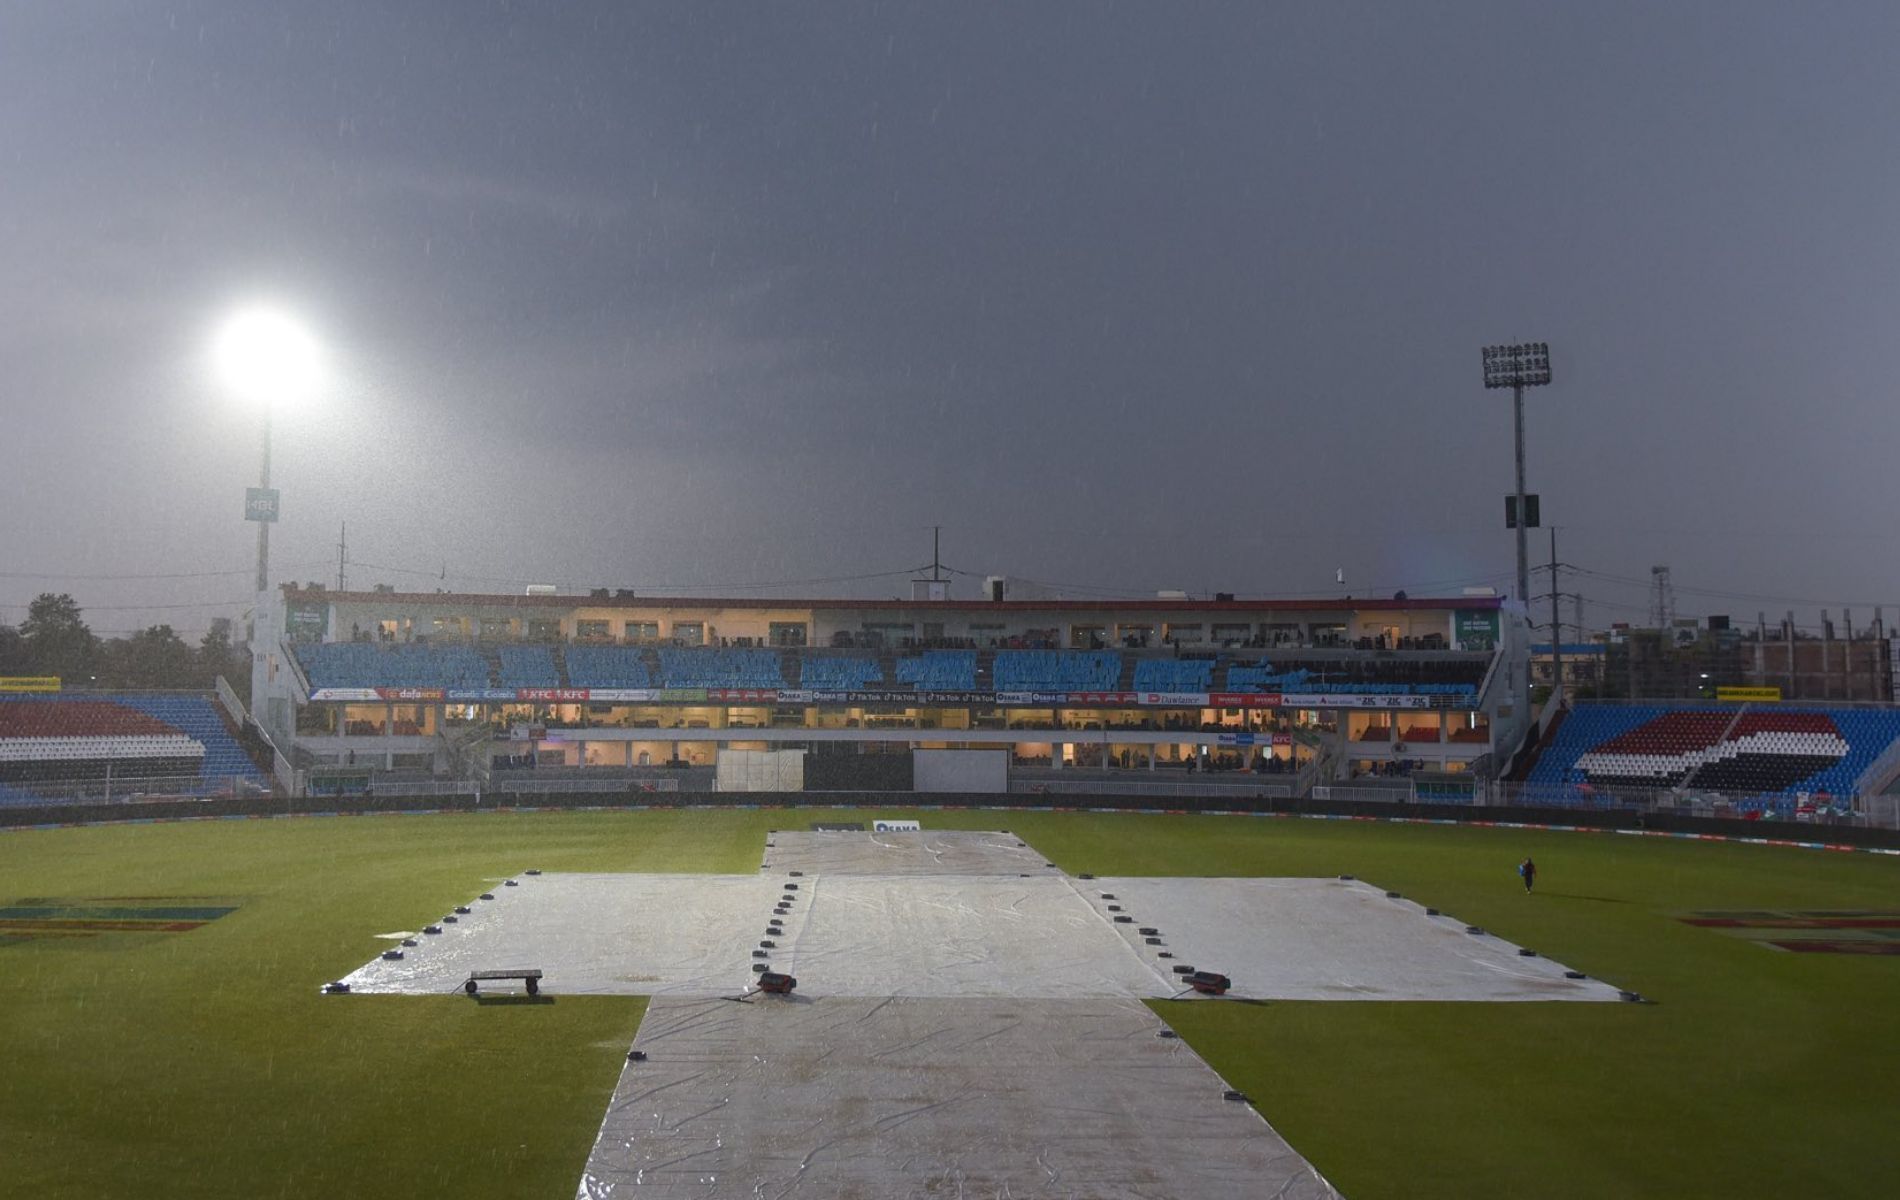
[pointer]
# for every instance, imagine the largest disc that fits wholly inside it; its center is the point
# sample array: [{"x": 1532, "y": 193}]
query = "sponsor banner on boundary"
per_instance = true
[
  {"x": 414, "y": 695},
  {"x": 333, "y": 693},
  {"x": 743, "y": 695},
  {"x": 470, "y": 695},
  {"x": 1256, "y": 739},
  {"x": 1355, "y": 701},
  {"x": 552, "y": 695},
  {"x": 897, "y": 826},
  {"x": 29, "y": 683},
  {"x": 1748, "y": 693}
]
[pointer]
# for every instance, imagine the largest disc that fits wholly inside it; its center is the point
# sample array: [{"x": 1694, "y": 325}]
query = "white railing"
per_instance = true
[
  {"x": 1362, "y": 793},
  {"x": 232, "y": 705},
  {"x": 1882, "y": 812},
  {"x": 112, "y": 789},
  {"x": 1880, "y": 772},
  {"x": 517, "y": 787},
  {"x": 1159, "y": 787},
  {"x": 1696, "y": 802},
  {"x": 281, "y": 770}
]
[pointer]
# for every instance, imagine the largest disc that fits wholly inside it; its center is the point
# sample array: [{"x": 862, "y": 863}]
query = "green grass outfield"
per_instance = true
[{"x": 205, "y": 1064}]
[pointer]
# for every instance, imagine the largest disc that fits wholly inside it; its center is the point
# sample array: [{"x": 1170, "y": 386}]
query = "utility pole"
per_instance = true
[
  {"x": 1788, "y": 628},
  {"x": 1662, "y": 598},
  {"x": 934, "y": 588},
  {"x": 1601, "y": 669},
  {"x": 1556, "y": 626},
  {"x": 342, "y": 546}
]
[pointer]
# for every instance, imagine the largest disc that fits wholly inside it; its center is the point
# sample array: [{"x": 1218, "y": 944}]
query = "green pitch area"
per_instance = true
[{"x": 163, "y": 1035}]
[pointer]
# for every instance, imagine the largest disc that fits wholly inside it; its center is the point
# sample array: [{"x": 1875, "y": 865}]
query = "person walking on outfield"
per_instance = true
[{"x": 1527, "y": 870}]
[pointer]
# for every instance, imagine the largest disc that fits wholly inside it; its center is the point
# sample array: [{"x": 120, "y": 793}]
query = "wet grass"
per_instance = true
[{"x": 206, "y": 1064}]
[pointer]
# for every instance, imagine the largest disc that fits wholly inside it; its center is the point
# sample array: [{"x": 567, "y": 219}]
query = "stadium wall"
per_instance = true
[
  {"x": 965, "y": 771},
  {"x": 1606, "y": 821}
]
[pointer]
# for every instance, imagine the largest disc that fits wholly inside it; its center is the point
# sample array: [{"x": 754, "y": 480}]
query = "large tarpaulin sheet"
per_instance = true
[
  {"x": 885, "y": 1099},
  {"x": 923, "y": 852},
  {"x": 1330, "y": 939},
  {"x": 972, "y": 936},
  {"x": 959, "y": 935},
  {"x": 594, "y": 934}
]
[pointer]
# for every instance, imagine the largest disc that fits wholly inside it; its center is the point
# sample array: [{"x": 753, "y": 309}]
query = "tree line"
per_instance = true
[{"x": 55, "y": 640}]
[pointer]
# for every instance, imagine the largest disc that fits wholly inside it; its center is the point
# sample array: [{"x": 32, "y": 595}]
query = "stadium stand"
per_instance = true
[
  {"x": 1174, "y": 675},
  {"x": 829, "y": 673},
  {"x": 607, "y": 667},
  {"x": 528, "y": 667},
  {"x": 199, "y": 717},
  {"x": 1800, "y": 750},
  {"x": 1768, "y": 756},
  {"x": 720, "y": 667},
  {"x": 370, "y": 664},
  {"x": 60, "y": 739},
  {"x": 1360, "y": 676},
  {"x": 1057, "y": 670},
  {"x": 939, "y": 670}
]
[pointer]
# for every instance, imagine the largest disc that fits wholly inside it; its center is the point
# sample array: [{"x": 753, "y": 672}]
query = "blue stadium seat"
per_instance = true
[
  {"x": 374, "y": 664},
  {"x": 196, "y": 715},
  {"x": 1354, "y": 677},
  {"x": 841, "y": 674},
  {"x": 1174, "y": 675},
  {"x": 199, "y": 717},
  {"x": 1057, "y": 670},
  {"x": 1765, "y": 758},
  {"x": 607, "y": 667},
  {"x": 528, "y": 667},
  {"x": 939, "y": 670},
  {"x": 720, "y": 667}
]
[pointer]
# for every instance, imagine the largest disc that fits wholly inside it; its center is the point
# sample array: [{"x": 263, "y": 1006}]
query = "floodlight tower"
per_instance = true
[
  {"x": 266, "y": 358},
  {"x": 1526, "y": 364}
]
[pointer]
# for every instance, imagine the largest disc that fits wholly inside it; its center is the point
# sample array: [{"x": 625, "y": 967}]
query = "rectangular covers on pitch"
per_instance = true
[{"x": 892, "y": 1098}]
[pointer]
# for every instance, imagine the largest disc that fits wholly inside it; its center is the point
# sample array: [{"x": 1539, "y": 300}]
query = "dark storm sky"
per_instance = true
[{"x": 694, "y": 296}]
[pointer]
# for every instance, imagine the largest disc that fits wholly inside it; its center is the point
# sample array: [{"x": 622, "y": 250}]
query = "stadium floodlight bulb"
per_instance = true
[
  {"x": 267, "y": 356},
  {"x": 1526, "y": 364}
]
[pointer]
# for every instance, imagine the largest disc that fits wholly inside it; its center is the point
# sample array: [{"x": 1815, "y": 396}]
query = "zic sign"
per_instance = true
[{"x": 260, "y": 504}]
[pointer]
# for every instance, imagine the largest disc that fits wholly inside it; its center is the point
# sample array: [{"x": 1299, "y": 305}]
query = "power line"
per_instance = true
[
  {"x": 120, "y": 578},
  {"x": 86, "y": 608},
  {"x": 652, "y": 587},
  {"x": 678, "y": 587},
  {"x": 1728, "y": 595},
  {"x": 1126, "y": 592}
]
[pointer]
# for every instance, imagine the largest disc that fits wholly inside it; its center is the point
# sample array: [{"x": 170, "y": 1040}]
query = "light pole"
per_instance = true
[
  {"x": 266, "y": 358},
  {"x": 266, "y": 502},
  {"x": 1526, "y": 364}
]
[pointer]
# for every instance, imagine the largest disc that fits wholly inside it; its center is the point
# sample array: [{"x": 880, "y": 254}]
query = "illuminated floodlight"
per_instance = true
[
  {"x": 267, "y": 357},
  {"x": 1526, "y": 364}
]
